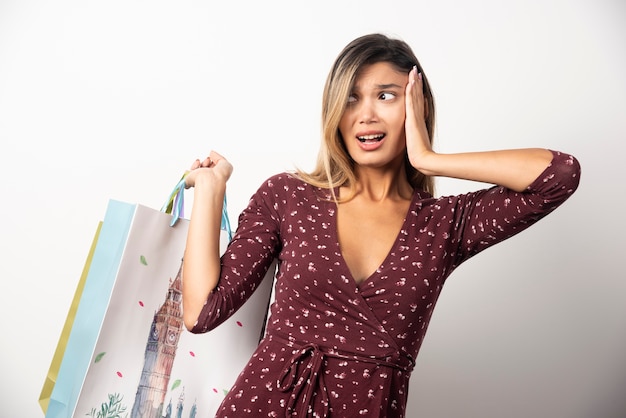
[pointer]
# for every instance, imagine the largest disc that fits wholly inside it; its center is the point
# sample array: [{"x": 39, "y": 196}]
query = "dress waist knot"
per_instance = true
[{"x": 304, "y": 377}]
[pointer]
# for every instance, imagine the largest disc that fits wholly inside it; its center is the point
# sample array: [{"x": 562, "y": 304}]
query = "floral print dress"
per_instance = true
[{"x": 335, "y": 348}]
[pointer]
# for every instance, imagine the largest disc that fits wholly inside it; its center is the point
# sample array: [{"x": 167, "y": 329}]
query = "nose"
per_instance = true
[{"x": 366, "y": 111}]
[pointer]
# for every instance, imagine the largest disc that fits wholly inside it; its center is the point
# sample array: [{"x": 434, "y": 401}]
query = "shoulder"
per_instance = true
[{"x": 288, "y": 185}]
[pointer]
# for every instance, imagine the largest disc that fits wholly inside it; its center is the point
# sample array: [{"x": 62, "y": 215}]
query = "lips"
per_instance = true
[
  {"x": 370, "y": 141},
  {"x": 370, "y": 138}
]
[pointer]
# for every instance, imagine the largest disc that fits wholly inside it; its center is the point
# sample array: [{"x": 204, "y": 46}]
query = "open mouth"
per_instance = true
[{"x": 370, "y": 138}]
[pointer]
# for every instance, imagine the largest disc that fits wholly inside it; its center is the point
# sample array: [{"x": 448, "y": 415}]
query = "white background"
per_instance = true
[{"x": 115, "y": 99}]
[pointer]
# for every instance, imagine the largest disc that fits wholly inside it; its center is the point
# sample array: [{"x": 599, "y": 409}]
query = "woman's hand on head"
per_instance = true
[
  {"x": 417, "y": 140},
  {"x": 214, "y": 168}
]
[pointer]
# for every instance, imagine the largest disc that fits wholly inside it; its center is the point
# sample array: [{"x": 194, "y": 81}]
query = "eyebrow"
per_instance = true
[
  {"x": 388, "y": 86},
  {"x": 382, "y": 86}
]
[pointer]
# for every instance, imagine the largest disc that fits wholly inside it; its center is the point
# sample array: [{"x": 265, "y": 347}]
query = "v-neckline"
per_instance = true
[{"x": 359, "y": 284}]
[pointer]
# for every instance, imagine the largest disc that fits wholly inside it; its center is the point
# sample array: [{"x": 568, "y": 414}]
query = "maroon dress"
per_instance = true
[{"x": 337, "y": 349}]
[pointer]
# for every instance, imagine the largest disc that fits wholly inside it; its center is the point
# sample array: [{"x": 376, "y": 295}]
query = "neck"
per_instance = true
[{"x": 378, "y": 184}]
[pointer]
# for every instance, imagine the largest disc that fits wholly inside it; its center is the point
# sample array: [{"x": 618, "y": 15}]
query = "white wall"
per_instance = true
[{"x": 114, "y": 99}]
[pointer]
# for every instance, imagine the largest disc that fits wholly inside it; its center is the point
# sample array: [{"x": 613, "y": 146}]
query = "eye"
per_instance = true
[
  {"x": 387, "y": 96},
  {"x": 351, "y": 98}
]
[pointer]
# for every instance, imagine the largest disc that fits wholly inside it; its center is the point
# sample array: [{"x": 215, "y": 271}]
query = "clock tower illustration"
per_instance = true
[{"x": 160, "y": 351}]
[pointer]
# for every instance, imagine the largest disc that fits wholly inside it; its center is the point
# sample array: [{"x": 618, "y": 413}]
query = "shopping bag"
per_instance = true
[
  {"x": 128, "y": 353},
  {"x": 55, "y": 364}
]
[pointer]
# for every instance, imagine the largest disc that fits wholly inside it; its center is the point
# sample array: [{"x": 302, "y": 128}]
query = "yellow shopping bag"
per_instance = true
[{"x": 55, "y": 364}]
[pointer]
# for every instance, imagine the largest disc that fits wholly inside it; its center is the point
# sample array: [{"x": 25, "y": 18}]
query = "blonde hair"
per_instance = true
[{"x": 334, "y": 167}]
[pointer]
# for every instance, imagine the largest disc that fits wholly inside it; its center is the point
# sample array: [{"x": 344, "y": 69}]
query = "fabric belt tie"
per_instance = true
[
  {"x": 303, "y": 387},
  {"x": 308, "y": 382}
]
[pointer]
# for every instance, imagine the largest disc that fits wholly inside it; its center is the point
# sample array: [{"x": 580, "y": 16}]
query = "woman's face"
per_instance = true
[{"x": 372, "y": 126}]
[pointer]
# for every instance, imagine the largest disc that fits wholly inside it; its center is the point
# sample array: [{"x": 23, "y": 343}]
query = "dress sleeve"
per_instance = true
[
  {"x": 486, "y": 217},
  {"x": 245, "y": 261}
]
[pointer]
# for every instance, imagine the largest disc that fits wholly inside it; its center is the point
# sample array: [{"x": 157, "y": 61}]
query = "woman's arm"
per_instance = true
[
  {"x": 201, "y": 262},
  {"x": 514, "y": 169},
  {"x": 485, "y": 217}
]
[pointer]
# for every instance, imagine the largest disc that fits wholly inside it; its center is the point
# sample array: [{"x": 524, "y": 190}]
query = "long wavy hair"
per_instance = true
[{"x": 335, "y": 167}]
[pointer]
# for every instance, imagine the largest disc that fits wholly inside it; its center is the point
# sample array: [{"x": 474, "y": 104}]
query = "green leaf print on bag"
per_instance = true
[{"x": 113, "y": 409}]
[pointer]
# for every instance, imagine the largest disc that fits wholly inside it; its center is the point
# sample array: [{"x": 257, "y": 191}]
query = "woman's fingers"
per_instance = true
[
  {"x": 415, "y": 95},
  {"x": 216, "y": 157},
  {"x": 222, "y": 164},
  {"x": 220, "y": 169},
  {"x": 417, "y": 138},
  {"x": 207, "y": 162}
]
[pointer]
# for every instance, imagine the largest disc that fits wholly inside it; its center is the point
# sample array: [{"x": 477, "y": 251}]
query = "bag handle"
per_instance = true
[{"x": 175, "y": 205}]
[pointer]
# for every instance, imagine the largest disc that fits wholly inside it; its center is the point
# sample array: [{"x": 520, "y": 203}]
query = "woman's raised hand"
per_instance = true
[
  {"x": 213, "y": 168},
  {"x": 417, "y": 140}
]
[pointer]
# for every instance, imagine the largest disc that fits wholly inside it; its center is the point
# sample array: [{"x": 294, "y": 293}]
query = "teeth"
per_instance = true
[{"x": 370, "y": 137}]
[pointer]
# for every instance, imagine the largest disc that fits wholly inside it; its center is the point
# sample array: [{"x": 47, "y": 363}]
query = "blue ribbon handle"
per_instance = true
[
  {"x": 225, "y": 224},
  {"x": 175, "y": 206}
]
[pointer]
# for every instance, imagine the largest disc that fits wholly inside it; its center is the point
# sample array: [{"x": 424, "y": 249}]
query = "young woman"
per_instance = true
[{"x": 363, "y": 247}]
